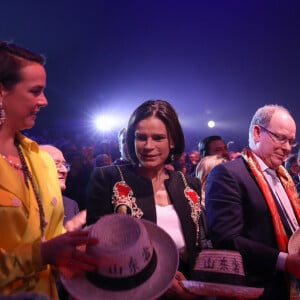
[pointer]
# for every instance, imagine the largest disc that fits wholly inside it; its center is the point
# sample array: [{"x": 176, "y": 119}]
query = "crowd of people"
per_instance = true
[{"x": 55, "y": 200}]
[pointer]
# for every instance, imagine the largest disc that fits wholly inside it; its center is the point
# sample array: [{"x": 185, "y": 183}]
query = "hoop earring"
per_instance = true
[{"x": 2, "y": 114}]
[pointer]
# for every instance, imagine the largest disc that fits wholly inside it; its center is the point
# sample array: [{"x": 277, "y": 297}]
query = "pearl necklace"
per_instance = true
[{"x": 13, "y": 164}]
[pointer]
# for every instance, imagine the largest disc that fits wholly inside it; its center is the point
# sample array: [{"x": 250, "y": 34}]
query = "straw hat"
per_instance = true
[
  {"x": 220, "y": 273},
  {"x": 137, "y": 260}
]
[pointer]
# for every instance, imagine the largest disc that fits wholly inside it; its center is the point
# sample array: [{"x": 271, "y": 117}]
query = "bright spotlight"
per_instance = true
[
  {"x": 105, "y": 123},
  {"x": 211, "y": 124}
]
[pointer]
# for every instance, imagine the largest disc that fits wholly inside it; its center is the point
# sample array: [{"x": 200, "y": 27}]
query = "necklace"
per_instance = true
[
  {"x": 13, "y": 164},
  {"x": 28, "y": 177}
]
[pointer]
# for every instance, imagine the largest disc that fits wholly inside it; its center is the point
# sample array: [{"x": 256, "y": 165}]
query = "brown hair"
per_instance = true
[
  {"x": 12, "y": 59},
  {"x": 165, "y": 112}
]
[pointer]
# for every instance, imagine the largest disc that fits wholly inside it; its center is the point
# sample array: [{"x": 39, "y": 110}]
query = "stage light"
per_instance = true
[
  {"x": 211, "y": 124},
  {"x": 105, "y": 123}
]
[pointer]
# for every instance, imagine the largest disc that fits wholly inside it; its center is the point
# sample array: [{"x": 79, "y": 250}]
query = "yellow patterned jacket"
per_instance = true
[{"x": 21, "y": 266}]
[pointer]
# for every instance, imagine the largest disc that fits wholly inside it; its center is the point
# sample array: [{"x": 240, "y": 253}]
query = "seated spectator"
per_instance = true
[
  {"x": 180, "y": 164},
  {"x": 213, "y": 144},
  {"x": 77, "y": 179},
  {"x": 102, "y": 160},
  {"x": 71, "y": 208},
  {"x": 292, "y": 166},
  {"x": 123, "y": 159},
  {"x": 193, "y": 159},
  {"x": 203, "y": 168}
]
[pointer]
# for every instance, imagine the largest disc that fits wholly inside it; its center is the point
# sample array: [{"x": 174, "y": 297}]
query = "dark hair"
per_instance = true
[
  {"x": 288, "y": 164},
  {"x": 165, "y": 112},
  {"x": 12, "y": 59},
  {"x": 204, "y": 144}
]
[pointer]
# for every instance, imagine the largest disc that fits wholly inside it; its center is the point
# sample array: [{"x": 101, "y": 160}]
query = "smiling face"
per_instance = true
[
  {"x": 267, "y": 147},
  {"x": 24, "y": 100},
  {"x": 60, "y": 163},
  {"x": 152, "y": 144}
]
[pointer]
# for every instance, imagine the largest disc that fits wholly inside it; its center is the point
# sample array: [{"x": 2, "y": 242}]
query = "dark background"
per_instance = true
[{"x": 211, "y": 59}]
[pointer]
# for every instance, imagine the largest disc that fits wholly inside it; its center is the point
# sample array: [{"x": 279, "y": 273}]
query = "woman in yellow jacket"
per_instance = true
[{"x": 31, "y": 207}]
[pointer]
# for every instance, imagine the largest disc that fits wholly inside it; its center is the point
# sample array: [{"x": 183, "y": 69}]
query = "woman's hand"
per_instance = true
[
  {"x": 64, "y": 250},
  {"x": 77, "y": 222},
  {"x": 176, "y": 291}
]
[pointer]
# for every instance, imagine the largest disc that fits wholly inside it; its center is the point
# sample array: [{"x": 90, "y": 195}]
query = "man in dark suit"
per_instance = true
[{"x": 252, "y": 204}]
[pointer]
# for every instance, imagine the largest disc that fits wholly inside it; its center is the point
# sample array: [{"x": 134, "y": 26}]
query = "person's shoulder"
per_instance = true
[
  {"x": 231, "y": 164},
  {"x": 236, "y": 168},
  {"x": 120, "y": 162},
  {"x": 112, "y": 170},
  {"x": 69, "y": 201},
  {"x": 190, "y": 180}
]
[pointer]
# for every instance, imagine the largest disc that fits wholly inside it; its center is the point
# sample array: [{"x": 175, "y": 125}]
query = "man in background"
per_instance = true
[
  {"x": 73, "y": 219},
  {"x": 292, "y": 166},
  {"x": 212, "y": 145},
  {"x": 123, "y": 159}
]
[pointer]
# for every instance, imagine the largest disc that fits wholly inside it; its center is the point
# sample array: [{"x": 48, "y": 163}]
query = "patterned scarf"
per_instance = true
[{"x": 290, "y": 189}]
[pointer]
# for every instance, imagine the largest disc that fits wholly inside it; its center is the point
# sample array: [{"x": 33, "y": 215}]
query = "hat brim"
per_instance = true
[
  {"x": 202, "y": 288},
  {"x": 80, "y": 288},
  {"x": 294, "y": 242}
]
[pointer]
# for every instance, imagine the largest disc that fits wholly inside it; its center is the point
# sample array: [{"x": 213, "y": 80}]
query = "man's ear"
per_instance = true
[{"x": 256, "y": 133}]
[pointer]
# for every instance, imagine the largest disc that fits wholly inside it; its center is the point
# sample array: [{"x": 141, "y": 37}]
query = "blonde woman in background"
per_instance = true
[{"x": 203, "y": 168}]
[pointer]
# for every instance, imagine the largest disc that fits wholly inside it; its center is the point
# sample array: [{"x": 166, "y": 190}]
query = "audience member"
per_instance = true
[
  {"x": 213, "y": 144},
  {"x": 233, "y": 151},
  {"x": 203, "y": 168},
  {"x": 77, "y": 179},
  {"x": 193, "y": 159},
  {"x": 31, "y": 210},
  {"x": 252, "y": 204},
  {"x": 291, "y": 165},
  {"x": 123, "y": 159},
  {"x": 147, "y": 190},
  {"x": 102, "y": 160},
  {"x": 88, "y": 153},
  {"x": 180, "y": 164},
  {"x": 71, "y": 208}
]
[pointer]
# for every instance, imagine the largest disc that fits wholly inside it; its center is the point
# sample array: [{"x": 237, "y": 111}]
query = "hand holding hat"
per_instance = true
[
  {"x": 136, "y": 259},
  {"x": 64, "y": 249}
]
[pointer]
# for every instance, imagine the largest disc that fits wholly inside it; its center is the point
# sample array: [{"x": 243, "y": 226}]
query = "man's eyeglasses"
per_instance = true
[
  {"x": 279, "y": 138},
  {"x": 60, "y": 164}
]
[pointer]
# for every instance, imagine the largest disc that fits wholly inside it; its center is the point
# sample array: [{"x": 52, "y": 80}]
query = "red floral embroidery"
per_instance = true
[
  {"x": 194, "y": 202},
  {"x": 122, "y": 191},
  {"x": 192, "y": 195},
  {"x": 123, "y": 195}
]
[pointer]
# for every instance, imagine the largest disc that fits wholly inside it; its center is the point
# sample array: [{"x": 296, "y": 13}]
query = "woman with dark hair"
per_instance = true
[
  {"x": 146, "y": 189},
  {"x": 31, "y": 207}
]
